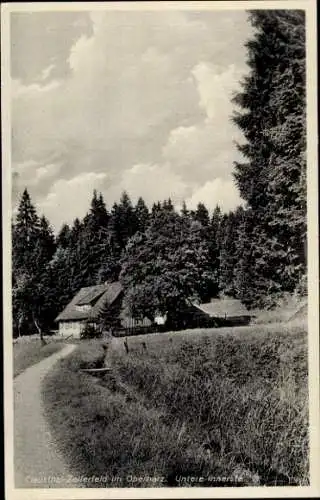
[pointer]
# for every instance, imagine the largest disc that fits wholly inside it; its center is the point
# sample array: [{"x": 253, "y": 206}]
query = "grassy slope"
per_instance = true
[
  {"x": 225, "y": 403},
  {"x": 26, "y": 354},
  {"x": 160, "y": 340}
]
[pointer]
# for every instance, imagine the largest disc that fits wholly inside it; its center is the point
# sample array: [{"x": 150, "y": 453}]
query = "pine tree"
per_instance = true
[
  {"x": 123, "y": 221},
  {"x": 98, "y": 217},
  {"x": 184, "y": 210},
  {"x": 272, "y": 181},
  {"x": 228, "y": 257},
  {"x": 76, "y": 230},
  {"x": 141, "y": 214},
  {"x": 167, "y": 205},
  {"x": 63, "y": 237},
  {"x": 25, "y": 234},
  {"x": 61, "y": 276},
  {"x": 287, "y": 185},
  {"x": 95, "y": 240},
  {"x": 202, "y": 215},
  {"x": 45, "y": 246},
  {"x": 216, "y": 221},
  {"x": 33, "y": 247},
  {"x": 25, "y": 230},
  {"x": 213, "y": 237},
  {"x": 156, "y": 209}
]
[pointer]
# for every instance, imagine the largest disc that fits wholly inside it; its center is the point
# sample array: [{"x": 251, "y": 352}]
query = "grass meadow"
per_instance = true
[
  {"x": 219, "y": 407},
  {"x": 27, "y": 353}
]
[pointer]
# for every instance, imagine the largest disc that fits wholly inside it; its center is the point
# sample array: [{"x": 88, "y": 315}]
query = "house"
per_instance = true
[
  {"x": 87, "y": 304},
  {"x": 217, "y": 312},
  {"x": 85, "y": 307}
]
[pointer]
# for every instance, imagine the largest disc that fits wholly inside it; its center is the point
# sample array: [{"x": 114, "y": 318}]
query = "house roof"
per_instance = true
[
  {"x": 223, "y": 307},
  {"x": 97, "y": 296},
  {"x": 94, "y": 293}
]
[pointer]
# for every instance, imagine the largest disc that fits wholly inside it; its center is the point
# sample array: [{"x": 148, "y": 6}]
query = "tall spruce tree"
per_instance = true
[
  {"x": 61, "y": 275},
  {"x": 201, "y": 215},
  {"x": 184, "y": 209},
  {"x": 96, "y": 238},
  {"x": 45, "y": 246},
  {"x": 123, "y": 221},
  {"x": 98, "y": 217},
  {"x": 213, "y": 238},
  {"x": 156, "y": 209},
  {"x": 167, "y": 205},
  {"x": 63, "y": 237},
  {"x": 33, "y": 246},
  {"x": 227, "y": 257},
  {"x": 25, "y": 234},
  {"x": 141, "y": 214},
  {"x": 272, "y": 180}
]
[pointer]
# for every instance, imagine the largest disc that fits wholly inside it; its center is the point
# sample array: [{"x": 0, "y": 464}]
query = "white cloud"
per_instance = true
[
  {"x": 32, "y": 90},
  {"x": 33, "y": 172},
  {"x": 152, "y": 182},
  {"x": 78, "y": 59},
  {"x": 205, "y": 150},
  {"x": 220, "y": 192},
  {"x": 70, "y": 197},
  {"x": 47, "y": 171},
  {"x": 216, "y": 88},
  {"x": 46, "y": 72}
]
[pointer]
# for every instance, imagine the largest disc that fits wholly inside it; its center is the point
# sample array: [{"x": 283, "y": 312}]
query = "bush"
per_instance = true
[{"x": 90, "y": 332}]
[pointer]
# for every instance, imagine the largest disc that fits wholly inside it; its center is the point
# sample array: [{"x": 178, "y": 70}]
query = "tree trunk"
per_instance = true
[
  {"x": 39, "y": 329},
  {"x": 19, "y": 327}
]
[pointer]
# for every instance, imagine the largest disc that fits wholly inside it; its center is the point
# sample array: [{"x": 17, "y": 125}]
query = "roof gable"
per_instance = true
[
  {"x": 92, "y": 295},
  {"x": 98, "y": 296}
]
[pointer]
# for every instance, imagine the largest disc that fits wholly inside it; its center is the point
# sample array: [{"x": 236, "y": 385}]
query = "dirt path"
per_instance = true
[{"x": 37, "y": 461}]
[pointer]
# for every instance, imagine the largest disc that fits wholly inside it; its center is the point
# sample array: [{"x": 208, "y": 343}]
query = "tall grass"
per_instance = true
[
  {"x": 248, "y": 398},
  {"x": 26, "y": 354},
  {"x": 222, "y": 408}
]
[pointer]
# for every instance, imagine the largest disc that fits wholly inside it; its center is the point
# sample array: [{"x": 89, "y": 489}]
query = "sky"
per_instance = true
[{"x": 135, "y": 101}]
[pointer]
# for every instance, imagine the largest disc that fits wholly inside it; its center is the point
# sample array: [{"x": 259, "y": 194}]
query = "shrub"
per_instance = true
[{"x": 90, "y": 332}]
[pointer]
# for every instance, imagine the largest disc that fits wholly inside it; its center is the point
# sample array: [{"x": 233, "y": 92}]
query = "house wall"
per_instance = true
[{"x": 71, "y": 328}]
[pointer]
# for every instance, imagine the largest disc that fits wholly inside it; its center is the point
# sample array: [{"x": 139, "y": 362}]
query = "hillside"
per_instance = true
[{"x": 229, "y": 406}]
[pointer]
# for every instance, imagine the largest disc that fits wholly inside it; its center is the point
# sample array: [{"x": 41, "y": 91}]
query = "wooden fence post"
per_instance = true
[{"x": 126, "y": 345}]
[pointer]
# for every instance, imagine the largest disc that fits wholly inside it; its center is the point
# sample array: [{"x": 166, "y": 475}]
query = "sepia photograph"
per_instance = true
[{"x": 161, "y": 287}]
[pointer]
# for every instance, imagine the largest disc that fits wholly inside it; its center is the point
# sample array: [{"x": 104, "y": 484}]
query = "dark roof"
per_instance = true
[
  {"x": 218, "y": 308},
  {"x": 93, "y": 294},
  {"x": 97, "y": 296}
]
